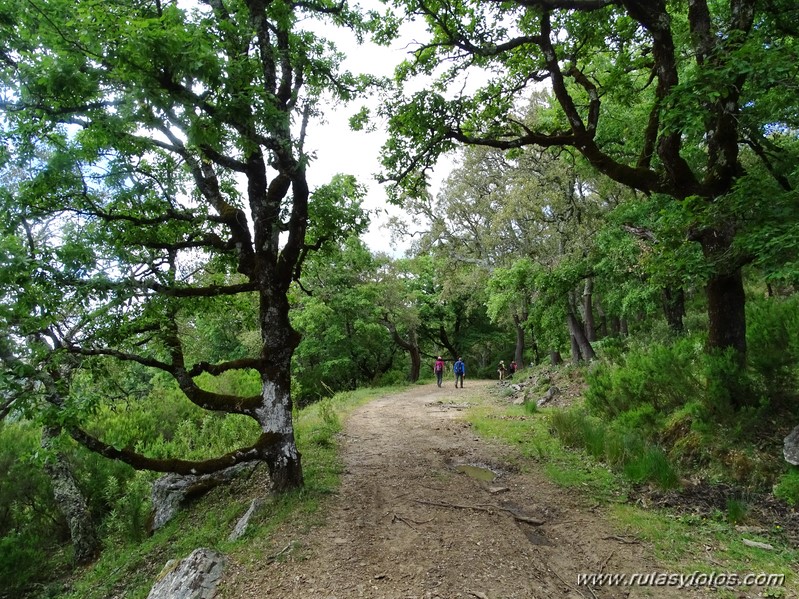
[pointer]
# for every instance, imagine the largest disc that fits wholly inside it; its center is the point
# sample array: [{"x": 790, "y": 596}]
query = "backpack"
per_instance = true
[
  {"x": 458, "y": 367},
  {"x": 439, "y": 367}
]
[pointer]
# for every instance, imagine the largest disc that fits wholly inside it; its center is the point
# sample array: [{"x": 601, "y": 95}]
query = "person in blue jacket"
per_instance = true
[{"x": 460, "y": 371}]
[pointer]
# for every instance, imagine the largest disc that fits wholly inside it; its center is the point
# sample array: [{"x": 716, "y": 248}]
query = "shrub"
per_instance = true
[
  {"x": 643, "y": 418},
  {"x": 129, "y": 502},
  {"x": 622, "y": 449},
  {"x": 787, "y": 487},
  {"x": 30, "y": 524},
  {"x": 651, "y": 465},
  {"x": 21, "y": 557},
  {"x": 729, "y": 388},
  {"x": 772, "y": 336},
  {"x": 737, "y": 510},
  {"x": 662, "y": 376},
  {"x": 530, "y": 407}
]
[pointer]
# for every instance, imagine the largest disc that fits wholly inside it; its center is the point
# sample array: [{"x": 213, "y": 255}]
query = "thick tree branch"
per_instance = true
[
  {"x": 186, "y": 467},
  {"x": 762, "y": 153},
  {"x": 6, "y": 407},
  {"x": 217, "y": 369},
  {"x": 701, "y": 29},
  {"x": 120, "y": 355},
  {"x": 640, "y": 232},
  {"x": 580, "y": 5}
]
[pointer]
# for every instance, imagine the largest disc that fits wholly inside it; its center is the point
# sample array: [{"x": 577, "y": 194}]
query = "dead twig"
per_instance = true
[
  {"x": 621, "y": 540},
  {"x": 605, "y": 562},
  {"x": 570, "y": 586},
  {"x": 395, "y": 517},
  {"x": 285, "y": 549}
]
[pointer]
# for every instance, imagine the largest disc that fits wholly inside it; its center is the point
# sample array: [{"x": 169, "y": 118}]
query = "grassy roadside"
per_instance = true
[
  {"x": 127, "y": 569},
  {"x": 685, "y": 544}
]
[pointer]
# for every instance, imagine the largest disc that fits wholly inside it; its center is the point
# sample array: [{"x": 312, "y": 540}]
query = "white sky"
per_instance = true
[{"x": 341, "y": 150}]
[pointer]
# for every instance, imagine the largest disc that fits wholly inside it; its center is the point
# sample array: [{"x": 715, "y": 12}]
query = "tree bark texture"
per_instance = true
[
  {"x": 274, "y": 416},
  {"x": 588, "y": 309},
  {"x": 585, "y": 351},
  {"x": 519, "y": 351},
  {"x": 575, "y": 347},
  {"x": 410, "y": 345},
  {"x": 602, "y": 326},
  {"x": 534, "y": 347},
  {"x": 577, "y": 333},
  {"x": 726, "y": 303},
  {"x": 674, "y": 308},
  {"x": 70, "y": 501}
]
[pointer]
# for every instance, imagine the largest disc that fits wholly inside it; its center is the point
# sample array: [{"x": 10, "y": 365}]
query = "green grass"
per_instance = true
[
  {"x": 127, "y": 569},
  {"x": 692, "y": 543},
  {"x": 530, "y": 436},
  {"x": 683, "y": 544}
]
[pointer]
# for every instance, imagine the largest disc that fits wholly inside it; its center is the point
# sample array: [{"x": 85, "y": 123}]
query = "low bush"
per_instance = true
[
  {"x": 661, "y": 376},
  {"x": 772, "y": 336},
  {"x": 21, "y": 557},
  {"x": 787, "y": 487},
  {"x": 622, "y": 448}
]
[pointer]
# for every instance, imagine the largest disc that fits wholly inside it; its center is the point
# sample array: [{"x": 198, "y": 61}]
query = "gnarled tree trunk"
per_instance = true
[
  {"x": 588, "y": 309},
  {"x": 583, "y": 350},
  {"x": 274, "y": 415},
  {"x": 410, "y": 345},
  {"x": 518, "y": 354},
  {"x": 726, "y": 303},
  {"x": 674, "y": 308},
  {"x": 70, "y": 501},
  {"x": 726, "y": 300}
]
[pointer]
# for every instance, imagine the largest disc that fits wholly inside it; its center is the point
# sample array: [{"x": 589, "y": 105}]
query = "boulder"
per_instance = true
[
  {"x": 244, "y": 522},
  {"x": 790, "y": 447},
  {"x": 195, "y": 577},
  {"x": 172, "y": 491},
  {"x": 548, "y": 396}
]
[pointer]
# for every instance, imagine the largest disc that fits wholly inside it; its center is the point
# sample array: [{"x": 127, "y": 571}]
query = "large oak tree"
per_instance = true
[
  {"x": 164, "y": 146},
  {"x": 660, "y": 96}
]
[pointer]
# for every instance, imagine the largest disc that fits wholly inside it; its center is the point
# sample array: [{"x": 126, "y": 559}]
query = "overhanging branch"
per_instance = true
[{"x": 186, "y": 467}]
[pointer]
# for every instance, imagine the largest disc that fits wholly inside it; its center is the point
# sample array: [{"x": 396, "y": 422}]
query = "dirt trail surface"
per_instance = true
[{"x": 407, "y": 523}]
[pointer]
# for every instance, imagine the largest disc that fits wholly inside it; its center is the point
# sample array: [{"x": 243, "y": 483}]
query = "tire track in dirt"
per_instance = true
[{"x": 406, "y": 524}]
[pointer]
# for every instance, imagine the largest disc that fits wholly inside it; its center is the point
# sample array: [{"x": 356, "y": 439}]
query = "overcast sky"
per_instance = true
[{"x": 340, "y": 150}]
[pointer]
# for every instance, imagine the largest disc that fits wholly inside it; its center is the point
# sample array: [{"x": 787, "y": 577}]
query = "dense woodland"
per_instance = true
[{"x": 173, "y": 288}]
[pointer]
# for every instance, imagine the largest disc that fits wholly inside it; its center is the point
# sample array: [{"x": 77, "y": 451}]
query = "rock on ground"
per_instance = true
[{"x": 195, "y": 577}]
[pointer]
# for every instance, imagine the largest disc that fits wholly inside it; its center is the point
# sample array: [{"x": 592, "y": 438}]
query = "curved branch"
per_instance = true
[
  {"x": 186, "y": 467},
  {"x": 6, "y": 407},
  {"x": 581, "y": 5},
  {"x": 762, "y": 153},
  {"x": 120, "y": 355},
  {"x": 210, "y": 291},
  {"x": 217, "y": 369}
]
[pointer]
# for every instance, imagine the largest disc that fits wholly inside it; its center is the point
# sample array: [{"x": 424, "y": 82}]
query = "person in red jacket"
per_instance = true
[{"x": 438, "y": 368}]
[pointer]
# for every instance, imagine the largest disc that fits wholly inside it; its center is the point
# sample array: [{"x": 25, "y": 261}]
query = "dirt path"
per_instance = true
[{"x": 407, "y": 524}]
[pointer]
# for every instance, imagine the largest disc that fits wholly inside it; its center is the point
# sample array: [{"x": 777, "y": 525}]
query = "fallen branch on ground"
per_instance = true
[{"x": 480, "y": 508}]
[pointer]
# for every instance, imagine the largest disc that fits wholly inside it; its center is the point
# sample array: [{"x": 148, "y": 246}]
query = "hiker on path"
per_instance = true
[
  {"x": 438, "y": 368},
  {"x": 460, "y": 371},
  {"x": 501, "y": 370}
]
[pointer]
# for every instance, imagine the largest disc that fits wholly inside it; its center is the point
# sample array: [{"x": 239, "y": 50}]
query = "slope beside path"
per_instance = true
[{"x": 407, "y": 523}]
